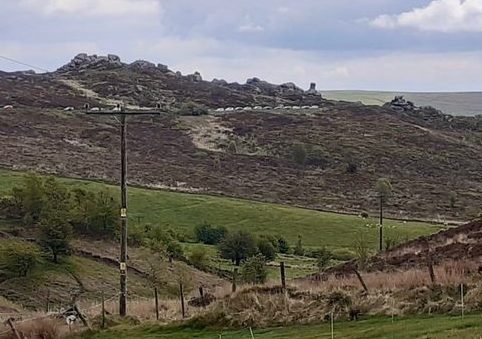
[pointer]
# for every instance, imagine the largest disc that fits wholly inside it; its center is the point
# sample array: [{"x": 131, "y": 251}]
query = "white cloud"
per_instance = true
[
  {"x": 94, "y": 7},
  {"x": 439, "y": 15}
]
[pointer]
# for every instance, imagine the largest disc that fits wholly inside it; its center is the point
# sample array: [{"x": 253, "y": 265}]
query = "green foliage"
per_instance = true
[
  {"x": 162, "y": 242},
  {"x": 283, "y": 246},
  {"x": 30, "y": 198},
  {"x": 391, "y": 241},
  {"x": 452, "y": 199},
  {"x": 254, "y": 270},
  {"x": 323, "y": 257},
  {"x": 55, "y": 234},
  {"x": 18, "y": 258},
  {"x": 207, "y": 234},
  {"x": 362, "y": 251},
  {"x": 299, "y": 153},
  {"x": 238, "y": 246},
  {"x": 199, "y": 258},
  {"x": 384, "y": 188},
  {"x": 298, "y": 250},
  {"x": 95, "y": 213},
  {"x": 266, "y": 249}
]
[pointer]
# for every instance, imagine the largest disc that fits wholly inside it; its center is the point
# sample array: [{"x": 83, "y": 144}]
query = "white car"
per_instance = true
[
  {"x": 70, "y": 108},
  {"x": 219, "y": 110},
  {"x": 238, "y": 109},
  {"x": 296, "y": 107},
  {"x": 229, "y": 109},
  {"x": 257, "y": 107},
  {"x": 248, "y": 108},
  {"x": 305, "y": 107},
  {"x": 315, "y": 107},
  {"x": 95, "y": 109}
]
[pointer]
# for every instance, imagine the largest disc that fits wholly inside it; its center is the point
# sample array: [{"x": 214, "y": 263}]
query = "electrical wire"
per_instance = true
[{"x": 23, "y": 63}]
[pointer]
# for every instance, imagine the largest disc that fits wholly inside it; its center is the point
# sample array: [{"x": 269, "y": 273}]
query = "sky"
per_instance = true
[{"x": 400, "y": 45}]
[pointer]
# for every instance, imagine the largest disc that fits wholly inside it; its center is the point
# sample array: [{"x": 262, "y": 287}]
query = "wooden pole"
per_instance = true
[
  {"x": 157, "y": 303},
  {"x": 380, "y": 233},
  {"x": 47, "y": 305},
  {"x": 201, "y": 294},
  {"x": 235, "y": 277},
  {"x": 123, "y": 214},
  {"x": 14, "y": 330},
  {"x": 282, "y": 273},
  {"x": 82, "y": 317},
  {"x": 462, "y": 298},
  {"x": 103, "y": 311},
  {"x": 181, "y": 292},
  {"x": 362, "y": 282}
]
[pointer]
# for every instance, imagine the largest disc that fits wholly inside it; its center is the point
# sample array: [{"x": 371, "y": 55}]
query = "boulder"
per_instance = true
[
  {"x": 312, "y": 90},
  {"x": 83, "y": 61},
  {"x": 142, "y": 64},
  {"x": 163, "y": 68}
]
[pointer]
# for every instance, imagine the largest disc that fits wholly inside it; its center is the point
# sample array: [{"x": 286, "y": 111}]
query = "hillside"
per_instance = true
[
  {"x": 245, "y": 154},
  {"x": 456, "y": 103}
]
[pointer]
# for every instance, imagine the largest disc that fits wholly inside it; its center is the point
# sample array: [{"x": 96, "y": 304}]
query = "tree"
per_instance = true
[
  {"x": 160, "y": 241},
  {"x": 384, "y": 189},
  {"x": 18, "y": 258},
  {"x": 283, "y": 246},
  {"x": 55, "y": 234},
  {"x": 238, "y": 246},
  {"x": 254, "y": 270},
  {"x": 30, "y": 197},
  {"x": 299, "y": 153},
  {"x": 299, "y": 247},
  {"x": 266, "y": 249},
  {"x": 207, "y": 234}
]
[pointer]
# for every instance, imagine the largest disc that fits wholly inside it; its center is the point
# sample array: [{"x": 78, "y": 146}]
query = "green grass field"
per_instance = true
[
  {"x": 182, "y": 212},
  {"x": 442, "y": 327}
]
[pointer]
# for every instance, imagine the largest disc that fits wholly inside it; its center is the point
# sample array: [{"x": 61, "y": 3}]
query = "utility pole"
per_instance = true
[{"x": 119, "y": 111}]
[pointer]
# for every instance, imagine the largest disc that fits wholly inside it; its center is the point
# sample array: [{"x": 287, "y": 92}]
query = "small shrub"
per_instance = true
[
  {"x": 298, "y": 250},
  {"x": 323, "y": 257},
  {"x": 351, "y": 168},
  {"x": 364, "y": 215},
  {"x": 136, "y": 237},
  {"x": 199, "y": 258},
  {"x": 254, "y": 270},
  {"x": 342, "y": 254},
  {"x": 283, "y": 246},
  {"x": 266, "y": 249}
]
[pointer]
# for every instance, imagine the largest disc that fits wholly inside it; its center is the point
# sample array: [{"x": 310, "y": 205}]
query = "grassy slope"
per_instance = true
[
  {"x": 433, "y": 327},
  {"x": 184, "y": 211},
  {"x": 454, "y": 103}
]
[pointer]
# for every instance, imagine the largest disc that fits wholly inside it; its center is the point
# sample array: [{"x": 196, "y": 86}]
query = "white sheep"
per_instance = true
[
  {"x": 70, "y": 108},
  {"x": 95, "y": 109},
  {"x": 8, "y": 107}
]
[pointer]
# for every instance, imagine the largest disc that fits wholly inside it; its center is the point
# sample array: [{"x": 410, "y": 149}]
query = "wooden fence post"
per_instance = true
[
  {"x": 157, "y": 303},
  {"x": 282, "y": 272},
  {"x": 47, "y": 305},
  {"x": 103, "y": 311},
  {"x": 14, "y": 330},
  {"x": 181, "y": 292},
  {"x": 201, "y": 294},
  {"x": 362, "y": 282},
  {"x": 235, "y": 277}
]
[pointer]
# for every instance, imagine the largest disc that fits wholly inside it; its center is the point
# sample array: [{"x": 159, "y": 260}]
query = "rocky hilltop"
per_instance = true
[{"x": 309, "y": 152}]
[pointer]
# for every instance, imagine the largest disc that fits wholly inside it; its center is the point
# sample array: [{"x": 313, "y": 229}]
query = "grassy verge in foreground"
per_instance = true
[
  {"x": 183, "y": 212},
  {"x": 423, "y": 327}
]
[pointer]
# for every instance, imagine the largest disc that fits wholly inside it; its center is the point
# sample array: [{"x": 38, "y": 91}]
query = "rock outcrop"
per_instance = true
[{"x": 84, "y": 61}]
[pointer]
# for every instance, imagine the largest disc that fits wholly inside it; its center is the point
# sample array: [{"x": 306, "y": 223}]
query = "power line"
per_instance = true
[{"x": 23, "y": 63}]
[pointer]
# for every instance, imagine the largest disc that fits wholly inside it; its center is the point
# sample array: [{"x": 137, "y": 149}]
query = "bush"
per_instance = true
[
  {"x": 266, "y": 249},
  {"x": 351, "y": 167},
  {"x": 254, "y": 270},
  {"x": 323, "y": 257},
  {"x": 283, "y": 246},
  {"x": 209, "y": 235},
  {"x": 342, "y": 254},
  {"x": 199, "y": 258},
  {"x": 298, "y": 250},
  {"x": 18, "y": 258},
  {"x": 55, "y": 234},
  {"x": 136, "y": 237},
  {"x": 237, "y": 247}
]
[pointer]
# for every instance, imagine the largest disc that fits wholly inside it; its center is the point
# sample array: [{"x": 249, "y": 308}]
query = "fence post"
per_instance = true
[
  {"x": 201, "y": 294},
  {"x": 181, "y": 292},
  {"x": 14, "y": 330},
  {"x": 362, "y": 282},
  {"x": 103, "y": 311},
  {"x": 332, "y": 326},
  {"x": 47, "y": 305},
  {"x": 282, "y": 272},
  {"x": 462, "y": 297},
  {"x": 235, "y": 277},
  {"x": 157, "y": 303}
]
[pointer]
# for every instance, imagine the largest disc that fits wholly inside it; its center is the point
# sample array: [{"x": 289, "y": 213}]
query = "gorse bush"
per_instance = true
[
  {"x": 199, "y": 258},
  {"x": 283, "y": 246}
]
